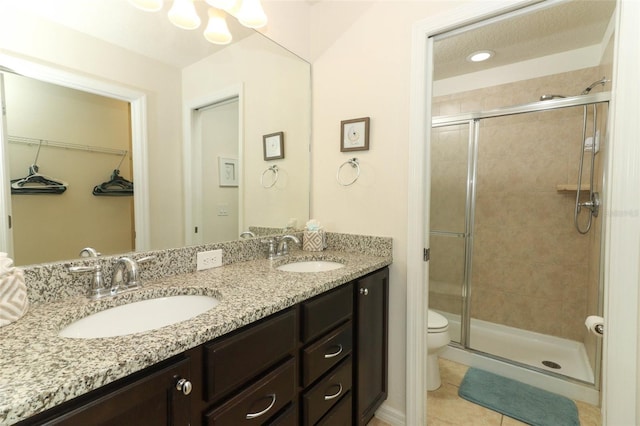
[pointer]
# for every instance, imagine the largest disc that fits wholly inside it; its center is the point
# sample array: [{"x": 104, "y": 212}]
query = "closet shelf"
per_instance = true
[{"x": 571, "y": 187}]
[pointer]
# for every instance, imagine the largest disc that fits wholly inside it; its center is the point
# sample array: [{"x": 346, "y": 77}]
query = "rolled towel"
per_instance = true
[{"x": 13, "y": 292}]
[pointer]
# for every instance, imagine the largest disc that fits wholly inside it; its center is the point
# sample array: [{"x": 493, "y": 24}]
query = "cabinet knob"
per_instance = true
[
  {"x": 364, "y": 291},
  {"x": 184, "y": 386}
]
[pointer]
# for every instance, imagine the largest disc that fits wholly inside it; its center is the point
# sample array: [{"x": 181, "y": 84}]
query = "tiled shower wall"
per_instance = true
[{"x": 531, "y": 269}]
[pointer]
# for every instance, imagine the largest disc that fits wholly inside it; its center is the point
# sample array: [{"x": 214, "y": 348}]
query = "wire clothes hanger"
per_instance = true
[
  {"x": 36, "y": 183},
  {"x": 116, "y": 186}
]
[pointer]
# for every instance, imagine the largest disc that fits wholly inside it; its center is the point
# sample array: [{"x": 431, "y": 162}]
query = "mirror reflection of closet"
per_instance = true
[{"x": 81, "y": 139}]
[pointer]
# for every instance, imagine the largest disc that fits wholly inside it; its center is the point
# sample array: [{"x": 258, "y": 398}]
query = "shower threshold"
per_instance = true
[{"x": 543, "y": 352}]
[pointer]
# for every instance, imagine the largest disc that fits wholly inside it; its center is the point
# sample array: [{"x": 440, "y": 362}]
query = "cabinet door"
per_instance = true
[
  {"x": 372, "y": 300},
  {"x": 151, "y": 400}
]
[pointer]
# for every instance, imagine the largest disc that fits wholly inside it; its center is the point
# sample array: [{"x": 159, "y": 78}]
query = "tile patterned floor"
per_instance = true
[{"x": 446, "y": 408}]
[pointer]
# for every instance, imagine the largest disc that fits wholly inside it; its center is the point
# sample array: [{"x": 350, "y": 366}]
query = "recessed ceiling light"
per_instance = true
[{"x": 479, "y": 56}]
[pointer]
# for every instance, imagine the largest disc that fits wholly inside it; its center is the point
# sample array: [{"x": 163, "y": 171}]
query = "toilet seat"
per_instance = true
[{"x": 436, "y": 323}]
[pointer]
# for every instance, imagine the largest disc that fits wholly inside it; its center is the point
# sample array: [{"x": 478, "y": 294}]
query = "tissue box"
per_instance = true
[
  {"x": 13, "y": 292},
  {"x": 313, "y": 240}
]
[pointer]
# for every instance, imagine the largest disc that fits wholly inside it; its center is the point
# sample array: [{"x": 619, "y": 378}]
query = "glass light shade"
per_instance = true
[
  {"x": 221, "y": 4},
  {"x": 183, "y": 15},
  {"x": 147, "y": 5},
  {"x": 251, "y": 14},
  {"x": 217, "y": 31}
]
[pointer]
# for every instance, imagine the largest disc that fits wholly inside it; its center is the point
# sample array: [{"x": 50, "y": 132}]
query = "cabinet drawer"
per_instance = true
[
  {"x": 320, "y": 398},
  {"x": 260, "y": 401},
  {"x": 323, "y": 313},
  {"x": 326, "y": 352},
  {"x": 288, "y": 417},
  {"x": 237, "y": 359},
  {"x": 340, "y": 415}
]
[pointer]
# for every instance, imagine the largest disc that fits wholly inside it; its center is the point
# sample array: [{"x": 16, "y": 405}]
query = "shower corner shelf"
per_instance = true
[{"x": 571, "y": 187}]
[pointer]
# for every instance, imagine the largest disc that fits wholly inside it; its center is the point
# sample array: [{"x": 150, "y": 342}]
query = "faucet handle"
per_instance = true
[
  {"x": 98, "y": 288},
  {"x": 271, "y": 248},
  {"x": 145, "y": 259}
]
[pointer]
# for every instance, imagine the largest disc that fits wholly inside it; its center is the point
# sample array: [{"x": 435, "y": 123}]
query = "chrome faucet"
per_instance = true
[
  {"x": 98, "y": 288},
  {"x": 278, "y": 246},
  {"x": 129, "y": 267},
  {"x": 247, "y": 234},
  {"x": 89, "y": 252},
  {"x": 283, "y": 248}
]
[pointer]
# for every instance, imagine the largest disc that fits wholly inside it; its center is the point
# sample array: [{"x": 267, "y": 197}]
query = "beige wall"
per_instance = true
[
  {"x": 54, "y": 227},
  {"x": 276, "y": 98},
  {"x": 361, "y": 68},
  {"x": 49, "y": 44}
]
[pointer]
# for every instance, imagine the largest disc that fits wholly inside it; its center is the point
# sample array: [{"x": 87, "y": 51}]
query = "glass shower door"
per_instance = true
[{"x": 450, "y": 147}]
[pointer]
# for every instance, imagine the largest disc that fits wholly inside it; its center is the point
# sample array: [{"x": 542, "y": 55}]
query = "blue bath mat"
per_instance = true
[{"x": 518, "y": 400}]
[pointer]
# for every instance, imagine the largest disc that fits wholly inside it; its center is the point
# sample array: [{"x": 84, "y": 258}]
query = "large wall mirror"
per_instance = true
[{"x": 198, "y": 175}]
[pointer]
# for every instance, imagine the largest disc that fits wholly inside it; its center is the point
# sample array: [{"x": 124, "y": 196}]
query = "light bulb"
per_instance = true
[
  {"x": 147, "y": 5},
  {"x": 217, "y": 31},
  {"x": 251, "y": 14},
  {"x": 183, "y": 15},
  {"x": 221, "y": 4}
]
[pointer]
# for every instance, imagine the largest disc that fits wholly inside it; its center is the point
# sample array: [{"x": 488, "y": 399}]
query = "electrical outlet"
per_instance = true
[{"x": 208, "y": 259}]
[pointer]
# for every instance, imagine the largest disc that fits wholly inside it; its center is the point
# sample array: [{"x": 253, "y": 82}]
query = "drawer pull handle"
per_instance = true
[
  {"x": 335, "y": 395},
  {"x": 258, "y": 414},
  {"x": 364, "y": 291},
  {"x": 335, "y": 354}
]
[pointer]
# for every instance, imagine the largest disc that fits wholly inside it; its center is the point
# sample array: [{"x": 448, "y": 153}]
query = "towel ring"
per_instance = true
[
  {"x": 274, "y": 170},
  {"x": 354, "y": 163}
]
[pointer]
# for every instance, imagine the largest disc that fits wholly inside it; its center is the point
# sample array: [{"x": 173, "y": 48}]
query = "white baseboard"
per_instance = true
[{"x": 391, "y": 415}]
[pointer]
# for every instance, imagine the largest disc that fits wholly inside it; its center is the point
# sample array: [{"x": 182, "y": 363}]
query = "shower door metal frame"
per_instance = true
[{"x": 473, "y": 119}]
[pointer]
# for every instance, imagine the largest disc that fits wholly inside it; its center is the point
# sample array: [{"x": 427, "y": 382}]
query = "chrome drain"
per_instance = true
[{"x": 551, "y": 364}]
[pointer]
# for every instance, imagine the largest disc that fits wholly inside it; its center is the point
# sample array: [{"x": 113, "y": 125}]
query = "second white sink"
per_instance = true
[
  {"x": 140, "y": 316},
  {"x": 310, "y": 266}
]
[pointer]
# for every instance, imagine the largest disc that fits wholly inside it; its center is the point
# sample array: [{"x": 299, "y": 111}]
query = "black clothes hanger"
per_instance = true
[
  {"x": 116, "y": 186},
  {"x": 36, "y": 183}
]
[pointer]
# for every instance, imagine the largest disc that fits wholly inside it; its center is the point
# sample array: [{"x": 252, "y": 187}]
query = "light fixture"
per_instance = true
[
  {"x": 251, "y": 14},
  {"x": 183, "y": 15},
  {"x": 217, "y": 31},
  {"x": 147, "y": 5},
  {"x": 480, "y": 55}
]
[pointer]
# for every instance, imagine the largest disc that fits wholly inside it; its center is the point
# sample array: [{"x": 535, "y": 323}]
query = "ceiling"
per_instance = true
[
  {"x": 566, "y": 26},
  {"x": 118, "y": 22}
]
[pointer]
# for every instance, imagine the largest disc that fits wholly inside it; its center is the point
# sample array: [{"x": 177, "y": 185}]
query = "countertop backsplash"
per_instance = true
[{"x": 50, "y": 282}]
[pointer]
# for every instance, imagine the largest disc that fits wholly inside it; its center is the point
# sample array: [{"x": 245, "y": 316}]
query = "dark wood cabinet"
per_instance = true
[
  {"x": 371, "y": 347},
  {"x": 149, "y": 400},
  {"x": 322, "y": 362}
]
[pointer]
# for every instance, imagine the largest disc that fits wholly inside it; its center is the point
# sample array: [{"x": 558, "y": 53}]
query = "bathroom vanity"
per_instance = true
[
  {"x": 281, "y": 348},
  {"x": 322, "y": 361}
]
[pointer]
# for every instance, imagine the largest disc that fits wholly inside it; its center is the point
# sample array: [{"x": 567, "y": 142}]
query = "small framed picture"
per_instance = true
[
  {"x": 354, "y": 135},
  {"x": 228, "y": 171},
  {"x": 273, "y": 145}
]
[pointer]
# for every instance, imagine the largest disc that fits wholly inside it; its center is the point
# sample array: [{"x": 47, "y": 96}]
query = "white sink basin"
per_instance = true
[
  {"x": 310, "y": 266},
  {"x": 140, "y": 316}
]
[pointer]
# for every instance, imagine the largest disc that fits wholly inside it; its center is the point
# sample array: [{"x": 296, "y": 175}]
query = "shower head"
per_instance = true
[
  {"x": 549, "y": 97},
  {"x": 602, "y": 81}
]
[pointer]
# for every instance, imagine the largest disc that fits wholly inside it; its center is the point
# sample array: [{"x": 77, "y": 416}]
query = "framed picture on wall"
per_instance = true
[
  {"x": 273, "y": 145},
  {"x": 354, "y": 135},
  {"x": 227, "y": 171}
]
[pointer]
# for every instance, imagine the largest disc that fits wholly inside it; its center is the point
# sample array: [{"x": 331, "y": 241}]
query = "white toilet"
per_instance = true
[{"x": 437, "y": 339}]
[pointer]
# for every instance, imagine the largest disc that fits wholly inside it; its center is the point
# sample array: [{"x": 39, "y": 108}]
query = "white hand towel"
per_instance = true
[{"x": 13, "y": 292}]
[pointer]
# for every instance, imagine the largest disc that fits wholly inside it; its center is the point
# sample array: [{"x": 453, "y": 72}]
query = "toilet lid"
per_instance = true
[{"x": 436, "y": 322}]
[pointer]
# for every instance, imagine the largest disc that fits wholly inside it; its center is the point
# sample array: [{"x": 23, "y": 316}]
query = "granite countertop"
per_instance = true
[{"x": 39, "y": 369}]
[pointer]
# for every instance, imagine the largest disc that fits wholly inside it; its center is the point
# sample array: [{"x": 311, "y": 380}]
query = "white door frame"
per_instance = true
[
  {"x": 138, "y": 102},
  {"x": 622, "y": 218}
]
